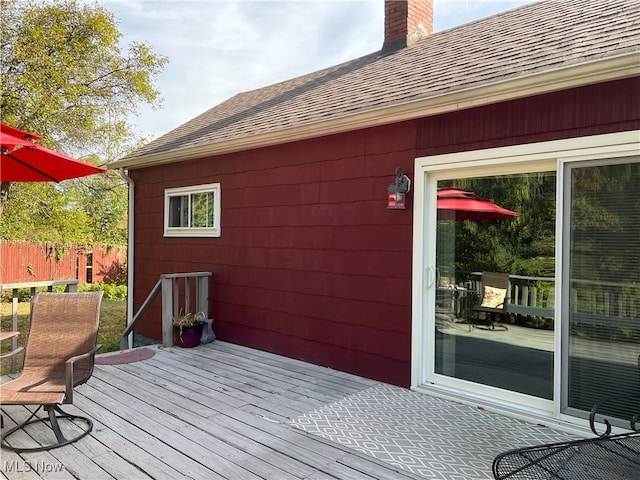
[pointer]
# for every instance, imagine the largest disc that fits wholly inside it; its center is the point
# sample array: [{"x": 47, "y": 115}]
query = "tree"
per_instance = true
[
  {"x": 523, "y": 245},
  {"x": 65, "y": 77}
]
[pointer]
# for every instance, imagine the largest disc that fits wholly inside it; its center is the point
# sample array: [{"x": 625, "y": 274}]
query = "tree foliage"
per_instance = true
[
  {"x": 605, "y": 212},
  {"x": 523, "y": 245},
  {"x": 66, "y": 77},
  {"x": 606, "y": 208}
]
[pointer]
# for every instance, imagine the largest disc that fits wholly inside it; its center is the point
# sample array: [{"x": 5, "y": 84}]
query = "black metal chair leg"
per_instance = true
[
  {"x": 51, "y": 409},
  {"x": 55, "y": 413}
]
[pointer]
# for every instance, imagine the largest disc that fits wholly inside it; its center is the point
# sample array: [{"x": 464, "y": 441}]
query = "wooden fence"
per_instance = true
[{"x": 37, "y": 262}]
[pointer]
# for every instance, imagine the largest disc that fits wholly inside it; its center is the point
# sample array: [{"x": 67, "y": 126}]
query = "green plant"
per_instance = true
[
  {"x": 187, "y": 328},
  {"x": 188, "y": 319},
  {"x": 112, "y": 292},
  {"x": 109, "y": 344}
]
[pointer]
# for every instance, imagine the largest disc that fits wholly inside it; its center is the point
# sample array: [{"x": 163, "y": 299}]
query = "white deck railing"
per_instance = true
[
  {"x": 535, "y": 296},
  {"x": 173, "y": 287}
]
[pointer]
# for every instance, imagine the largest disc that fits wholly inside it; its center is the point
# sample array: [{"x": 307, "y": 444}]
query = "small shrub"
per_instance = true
[
  {"x": 24, "y": 295},
  {"x": 111, "y": 292},
  {"x": 116, "y": 274},
  {"x": 109, "y": 345}
]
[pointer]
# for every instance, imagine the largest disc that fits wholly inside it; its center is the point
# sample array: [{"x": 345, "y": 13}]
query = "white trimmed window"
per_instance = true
[{"x": 192, "y": 211}]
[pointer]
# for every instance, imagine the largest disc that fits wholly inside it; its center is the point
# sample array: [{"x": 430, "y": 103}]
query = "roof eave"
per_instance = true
[{"x": 564, "y": 77}]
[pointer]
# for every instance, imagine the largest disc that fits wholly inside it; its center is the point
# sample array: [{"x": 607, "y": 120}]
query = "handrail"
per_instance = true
[
  {"x": 170, "y": 288},
  {"x": 72, "y": 285},
  {"x": 124, "y": 342}
]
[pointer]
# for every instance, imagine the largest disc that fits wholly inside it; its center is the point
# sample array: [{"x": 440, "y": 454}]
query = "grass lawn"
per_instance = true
[{"x": 113, "y": 320}]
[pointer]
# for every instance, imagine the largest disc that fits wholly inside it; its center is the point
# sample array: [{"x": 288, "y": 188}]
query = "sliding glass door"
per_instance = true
[
  {"x": 504, "y": 225},
  {"x": 569, "y": 330},
  {"x": 602, "y": 331}
]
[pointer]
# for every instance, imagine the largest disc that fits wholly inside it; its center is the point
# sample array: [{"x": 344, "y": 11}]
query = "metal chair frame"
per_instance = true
[
  {"x": 497, "y": 280},
  {"x": 59, "y": 356}
]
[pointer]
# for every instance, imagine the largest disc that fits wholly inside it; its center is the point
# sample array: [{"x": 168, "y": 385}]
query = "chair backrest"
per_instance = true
[
  {"x": 497, "y": 285},
  {"x": 63, "y": 325}
]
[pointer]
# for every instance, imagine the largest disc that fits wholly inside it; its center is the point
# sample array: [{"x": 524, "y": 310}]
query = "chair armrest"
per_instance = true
[
  {"x": 11, "y": 353},
  {"x": 68, "y": 368},
  {"x": 616, "y": 457},
  {"x": 633, "y": 419}
]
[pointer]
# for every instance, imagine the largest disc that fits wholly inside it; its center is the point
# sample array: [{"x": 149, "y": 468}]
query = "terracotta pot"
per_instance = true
[{"x": 187, "y": 336}]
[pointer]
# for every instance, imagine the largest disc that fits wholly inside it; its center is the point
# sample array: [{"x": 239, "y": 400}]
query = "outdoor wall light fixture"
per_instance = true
[{"x": 397, "y": 191}]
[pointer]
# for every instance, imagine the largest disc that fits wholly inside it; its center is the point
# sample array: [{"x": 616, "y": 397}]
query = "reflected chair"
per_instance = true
[
  {"x": 58, "y": 356},
  {"x": 495, "y": 297}
]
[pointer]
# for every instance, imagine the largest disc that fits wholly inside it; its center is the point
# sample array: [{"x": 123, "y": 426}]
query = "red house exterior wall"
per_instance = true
[
  {"x": 310, "y": 263},
  {"x": 592, "y": 110}
]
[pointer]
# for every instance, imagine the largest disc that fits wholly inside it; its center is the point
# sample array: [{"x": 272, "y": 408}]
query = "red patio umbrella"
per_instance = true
[
  {"x": 6, "y": 129},
  {"x": 24, "y": 161},
  {"x": 458, "y": 204}
]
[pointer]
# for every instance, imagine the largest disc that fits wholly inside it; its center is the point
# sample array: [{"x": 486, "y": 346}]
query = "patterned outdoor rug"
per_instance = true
[
  {"x": 428, "y": 436},
  {"x": 131, "y": 356}
]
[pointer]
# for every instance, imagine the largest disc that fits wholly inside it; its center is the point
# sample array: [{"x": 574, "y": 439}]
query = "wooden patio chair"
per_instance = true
[
  {"x": 494, "y": 299},
  {"x": 58, "y": 356}
]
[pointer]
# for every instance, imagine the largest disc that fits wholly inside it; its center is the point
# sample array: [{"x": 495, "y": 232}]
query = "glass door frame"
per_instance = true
[
  {"x": 530, "y": 158},
  {"x": 568, "y": 165}
]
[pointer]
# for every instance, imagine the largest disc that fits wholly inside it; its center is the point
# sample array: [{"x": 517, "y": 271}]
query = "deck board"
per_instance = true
[
  {"x": 214, "y": 412},
  {"x": 227, "y": 412}
]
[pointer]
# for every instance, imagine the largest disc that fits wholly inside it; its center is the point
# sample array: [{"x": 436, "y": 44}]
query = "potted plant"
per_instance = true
[{"x": 187, "y": 329}]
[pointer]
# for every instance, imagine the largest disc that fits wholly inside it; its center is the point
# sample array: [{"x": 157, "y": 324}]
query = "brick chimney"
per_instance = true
[{"x": 406, "y": 22}]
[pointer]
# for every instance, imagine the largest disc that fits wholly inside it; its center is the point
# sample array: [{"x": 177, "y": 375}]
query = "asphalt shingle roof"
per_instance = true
[{"x": 534, "y": 38}]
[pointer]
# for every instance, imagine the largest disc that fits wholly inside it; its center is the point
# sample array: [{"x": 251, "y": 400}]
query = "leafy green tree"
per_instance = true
[
  {"x": 606, "y": 214},
  {"x": 523, "y": 245},
  {"x": 66, "y": 77}
]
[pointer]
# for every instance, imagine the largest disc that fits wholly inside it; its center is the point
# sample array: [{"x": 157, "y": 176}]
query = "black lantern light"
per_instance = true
[{"x": 397, "y": 191}]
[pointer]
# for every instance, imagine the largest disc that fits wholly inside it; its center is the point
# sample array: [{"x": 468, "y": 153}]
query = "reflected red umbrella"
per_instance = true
[
  {"x": 458, "y": 204},
  {"x": 24, "y": 161}
]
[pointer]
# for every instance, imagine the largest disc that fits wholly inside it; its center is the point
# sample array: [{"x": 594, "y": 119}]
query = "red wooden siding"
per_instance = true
[
  {"x": 592, "y": 110},
  {"x": 310, "y": 263},
  {"x": 34, "y": 262}
]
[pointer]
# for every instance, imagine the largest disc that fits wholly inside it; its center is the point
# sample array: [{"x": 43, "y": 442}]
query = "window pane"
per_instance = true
[
  {"x": 178, "y": 211},
  {"x": 604, "y": 301},
  {"x": 193, "y": 211},
  {"x": 512, "y": 348},
  {"x": 211, "y": 213},
  {"x": 202, "y": 209}
]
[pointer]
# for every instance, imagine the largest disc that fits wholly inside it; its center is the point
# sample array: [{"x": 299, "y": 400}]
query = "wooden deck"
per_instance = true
[{"x": 217, "y": 411}]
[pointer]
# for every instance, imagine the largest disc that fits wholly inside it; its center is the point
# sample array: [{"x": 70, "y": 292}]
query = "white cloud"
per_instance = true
[{"x": 218, "y": 48}]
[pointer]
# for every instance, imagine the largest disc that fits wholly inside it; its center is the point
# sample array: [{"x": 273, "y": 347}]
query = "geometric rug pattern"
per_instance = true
[{"x": 428, "y": 436}]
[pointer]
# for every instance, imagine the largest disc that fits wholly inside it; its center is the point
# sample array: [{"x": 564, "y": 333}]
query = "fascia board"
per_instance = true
[{"x": 622, "y": 66}]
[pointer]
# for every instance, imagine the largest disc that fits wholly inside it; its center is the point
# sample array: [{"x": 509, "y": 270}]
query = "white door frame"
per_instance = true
[{"x": 542, "y": 156}]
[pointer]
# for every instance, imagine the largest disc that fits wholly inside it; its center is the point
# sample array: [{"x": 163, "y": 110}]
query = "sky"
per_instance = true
[{"x": 218, "y": 48}]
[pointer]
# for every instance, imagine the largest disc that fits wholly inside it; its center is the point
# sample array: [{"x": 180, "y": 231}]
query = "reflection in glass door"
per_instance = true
[
  {"x": 515, "y": 352},
  {"x": 603, "y": 332}
]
